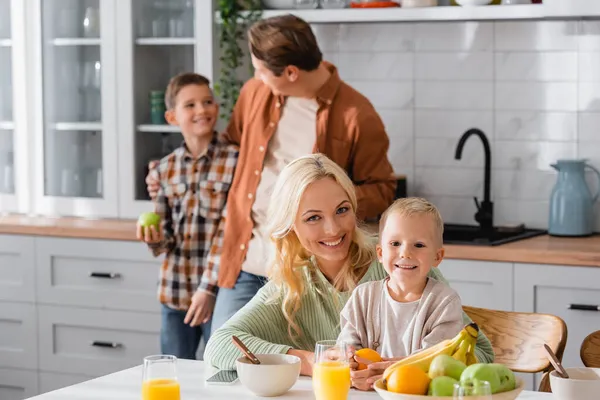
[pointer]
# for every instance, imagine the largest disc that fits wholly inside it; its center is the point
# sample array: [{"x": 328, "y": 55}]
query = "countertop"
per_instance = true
[
  {"x": 538, "y": 250},
  {"x": 126, "y": 385}
]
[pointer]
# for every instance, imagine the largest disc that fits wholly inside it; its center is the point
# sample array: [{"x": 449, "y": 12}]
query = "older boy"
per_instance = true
[{"x": 194, "y": 181}]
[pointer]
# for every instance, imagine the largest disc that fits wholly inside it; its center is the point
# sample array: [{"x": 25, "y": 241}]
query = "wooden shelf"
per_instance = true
[
  {"x": 435, "y": 14},
  {"x": 167, "y": 41},
  {"x": 158, "y": 128},
  {"x": 76, "y": 42},
  {"x": 78, "y": 126}
]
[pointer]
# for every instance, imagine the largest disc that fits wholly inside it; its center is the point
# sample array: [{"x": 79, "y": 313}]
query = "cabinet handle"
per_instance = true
[
  {"x": 111, "y": 345},
  {"x": 584, "y": 307},
  {"x": 105, "y": 275}
]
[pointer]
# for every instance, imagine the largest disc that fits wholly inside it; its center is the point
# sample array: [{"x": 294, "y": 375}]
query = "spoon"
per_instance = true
[
  {"x": 555, "y": 363},
  {"x": 240, "y": 345}
]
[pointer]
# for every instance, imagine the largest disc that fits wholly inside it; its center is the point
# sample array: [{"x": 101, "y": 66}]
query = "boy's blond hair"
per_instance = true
[
  {"x": 410, "y": 206},
  {"x": 180, "y": 81}
]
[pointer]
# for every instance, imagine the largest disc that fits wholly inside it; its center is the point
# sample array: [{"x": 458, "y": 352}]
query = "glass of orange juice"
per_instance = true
[
  {"x": 159, "y": 379},
  {"x": 331, "y": 371}
]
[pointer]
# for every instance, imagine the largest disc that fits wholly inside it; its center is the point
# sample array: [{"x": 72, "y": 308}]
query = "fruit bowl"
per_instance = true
[{"x": 385, "y": 395}]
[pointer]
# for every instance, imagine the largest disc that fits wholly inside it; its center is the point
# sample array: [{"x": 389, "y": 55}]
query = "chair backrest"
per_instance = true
[
  {"x": 590, "y": 350},
  {"x": 518, "y": 338}
]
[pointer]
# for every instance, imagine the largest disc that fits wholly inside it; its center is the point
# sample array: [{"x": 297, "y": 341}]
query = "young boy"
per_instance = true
[
  {"x": 194, "y": 181},
  {"x": 407, "y": 311}
]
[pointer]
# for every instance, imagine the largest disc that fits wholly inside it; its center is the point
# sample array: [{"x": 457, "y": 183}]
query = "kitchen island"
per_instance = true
[{"x": 126, "y": 385}]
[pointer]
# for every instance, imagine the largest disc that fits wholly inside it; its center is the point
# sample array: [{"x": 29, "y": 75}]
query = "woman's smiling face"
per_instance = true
[{"x": 325, "y": 222}]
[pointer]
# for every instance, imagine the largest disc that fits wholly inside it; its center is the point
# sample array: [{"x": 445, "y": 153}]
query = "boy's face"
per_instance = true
[
  {"x": 196, "y": 111},
  {"x": 409, "y": 247}
]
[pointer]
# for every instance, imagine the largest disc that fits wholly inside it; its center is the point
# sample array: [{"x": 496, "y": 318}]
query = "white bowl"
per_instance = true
[
  {"x": 469, "y": 3},
  {"x": 274, "y": 376},
  {"x": 385, "y": 395},
  {"x": 279, "y": 4},
  {"x": 583, "y": 384}
]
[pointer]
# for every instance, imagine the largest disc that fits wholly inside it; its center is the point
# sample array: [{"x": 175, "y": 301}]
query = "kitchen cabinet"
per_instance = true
[
  {"x": 17, "y": 385},
  {"x": 49, "y": 381},
  {"x": 557, "y": 290},
  {"x": 17, "y": 269},
  {"x": 18, "y": 337},
  {"x": 481, "y": 283}
]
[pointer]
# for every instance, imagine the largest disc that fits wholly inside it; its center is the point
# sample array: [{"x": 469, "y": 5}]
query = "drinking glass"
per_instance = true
[
  {"x": 472, "y": 390},
  {"x": 331, "y": 371},
  {"x": 159, "y": 379}
]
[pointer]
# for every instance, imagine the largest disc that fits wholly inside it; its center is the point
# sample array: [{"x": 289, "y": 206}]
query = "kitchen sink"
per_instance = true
[{"x": 472, "y": 235}]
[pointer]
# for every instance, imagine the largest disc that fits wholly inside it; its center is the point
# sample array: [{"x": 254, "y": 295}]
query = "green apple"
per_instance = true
[
  {"x": 149, "y": 219},
  {"x": 445, "y": 365},
  {"x": 507, "y": 377},
  {"x": 482, "y": 372},
  {"x": 442, "y": 386}
]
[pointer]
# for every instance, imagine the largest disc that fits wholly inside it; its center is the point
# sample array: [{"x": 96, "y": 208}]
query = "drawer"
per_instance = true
[
  {"x": 94, "y": 342},
  {"x": 17, "y": 282},
  {"x": 482, "y": 284},
  {"x": 17, "y": 385},
  {"x": 18, "y": 342},
  {"x": 552, "y": 290},
  {"x": 97, "y": 273},
  {"x": 49, "y": 381}
]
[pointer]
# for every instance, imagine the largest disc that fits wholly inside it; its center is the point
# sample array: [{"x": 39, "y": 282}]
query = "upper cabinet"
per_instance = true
[
  {"x": 7, "y": 157},
  {"x": 157, "y": 40},
  {"x": 75, "y": 94}
]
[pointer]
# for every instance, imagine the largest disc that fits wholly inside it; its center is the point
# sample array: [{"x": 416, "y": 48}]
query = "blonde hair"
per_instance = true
[
  {"x": 410, "y": 206},
  {"x": 290, "y": 255}
]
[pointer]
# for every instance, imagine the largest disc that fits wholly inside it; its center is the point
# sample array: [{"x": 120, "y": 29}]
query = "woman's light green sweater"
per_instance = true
[{"x": 260, "y": 324}]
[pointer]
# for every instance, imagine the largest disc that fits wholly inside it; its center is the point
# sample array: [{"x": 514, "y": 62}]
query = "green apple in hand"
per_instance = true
[
  {"x": 149, "y": 219},
  {"x": 445, "y": 365},
  {"x": 442, "y": 386}
]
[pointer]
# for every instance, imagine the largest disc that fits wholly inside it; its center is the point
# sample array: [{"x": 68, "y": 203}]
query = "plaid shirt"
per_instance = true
[{"x": 191, "y": 203}]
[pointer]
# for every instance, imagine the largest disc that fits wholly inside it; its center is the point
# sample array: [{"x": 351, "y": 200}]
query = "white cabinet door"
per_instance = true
[
  {"x": 49, "y": 381},
  {"x": 95, "y": 342},
  {"x": 97, "y": 273},
  {"x": 17, "y": 385},
  {"x": 562, "y": 291},
  {"x": 18, "y": 336},
  {"x": 482, "y": 284},
  {"x": 17, "y": 282}
]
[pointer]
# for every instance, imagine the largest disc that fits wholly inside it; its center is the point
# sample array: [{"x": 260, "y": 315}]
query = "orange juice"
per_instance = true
[
  {"x": 331, "y": 380},
  {"x": 160, "y": 389}
]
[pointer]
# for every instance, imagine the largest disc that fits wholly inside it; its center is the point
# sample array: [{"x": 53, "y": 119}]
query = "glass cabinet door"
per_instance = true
[
  {"x": 76, "y": 41},
  {"x": 163, "y": 32},
  {"x": 7, "y": 165}
]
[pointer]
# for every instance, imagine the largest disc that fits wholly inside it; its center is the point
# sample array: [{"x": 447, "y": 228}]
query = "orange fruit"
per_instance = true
[
  {"x": 367, "y": 354},
  {"x": 408, "y": 379}
]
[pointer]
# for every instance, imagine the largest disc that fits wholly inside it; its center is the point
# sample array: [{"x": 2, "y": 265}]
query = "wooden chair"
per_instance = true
[
  {"x": 518, "y": 338},
  {"x": 590, "y": 350}
]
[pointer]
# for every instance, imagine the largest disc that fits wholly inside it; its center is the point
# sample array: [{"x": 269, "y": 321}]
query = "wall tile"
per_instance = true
[
  {"x": 536, "y": 66},
  {"x": 551, "y": 96},
  {"x": 328, "y": 36},
  {"x": 384, "y": 66},
  {"x": 589, "y": 127},
  {"x": 530, "y": 155},
  {"x": 383, "y": 94},
  {"x": 442, "y": 36},
  {"x": 439, "y": 152},
  {"x": 589, "y": 96},
  {"x": 454, "y": 66},
  {"x": 589, "y": 35},
  {"x": 534, "y": 126},
  {"x": 461, "y": 95},
  {"x": 534, "y": 214},
  {"x": 452, "y": 124},
  {"x": 455, "y": 210},
  {"x": 538, "y": 36},
  {"x": 376, "y": 37},
  {"x": 523, "y": 185},
  {"x": 589, "y": 67},
  {"x": 461, "y": 182},
  {"x": 399, "y": 127}
]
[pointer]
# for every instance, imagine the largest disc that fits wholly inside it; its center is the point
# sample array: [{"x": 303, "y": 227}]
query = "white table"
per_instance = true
[{"x": 126, "y": 385}]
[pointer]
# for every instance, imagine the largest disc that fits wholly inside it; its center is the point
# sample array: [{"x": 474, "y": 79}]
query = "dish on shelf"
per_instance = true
[
  {"x": 419, "y": 3},
  {"x": 374, "y": 4},
  {"x": 279, "y": 4},
  {"x": 469, "y": 3}
]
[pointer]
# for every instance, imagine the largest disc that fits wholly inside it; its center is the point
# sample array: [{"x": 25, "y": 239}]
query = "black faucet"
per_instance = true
[{"x": 485, "y": 209}]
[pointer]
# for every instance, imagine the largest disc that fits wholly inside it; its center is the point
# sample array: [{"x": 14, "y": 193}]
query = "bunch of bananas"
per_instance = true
[{"x": 461, "y": 347}]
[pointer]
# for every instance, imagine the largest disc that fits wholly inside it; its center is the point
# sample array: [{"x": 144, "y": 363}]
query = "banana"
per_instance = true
[
  {"x": 461, "y": 352},
  {"x": 471, "y": 358},
  {"x": 423, "y": 358}
]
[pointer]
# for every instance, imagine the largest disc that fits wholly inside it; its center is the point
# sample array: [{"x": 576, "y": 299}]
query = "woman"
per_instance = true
[{"x": 321, "y": 256}]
